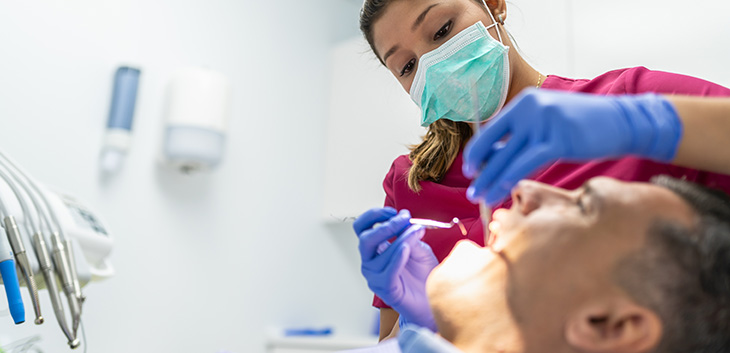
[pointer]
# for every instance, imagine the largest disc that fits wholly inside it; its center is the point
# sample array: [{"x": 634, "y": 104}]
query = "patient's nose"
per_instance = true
[{"x": 530, "y": 195}]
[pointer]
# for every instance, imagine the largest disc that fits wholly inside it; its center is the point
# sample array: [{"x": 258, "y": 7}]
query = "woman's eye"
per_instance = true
[
  {"x": 408, "y": 68},
  {"x": 443, "y": 31}
]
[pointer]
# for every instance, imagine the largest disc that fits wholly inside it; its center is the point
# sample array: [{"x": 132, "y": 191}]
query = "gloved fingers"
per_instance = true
[
  {"x": 371, "y": 217},
  {"x": 411, "y": 236},
  {"x": 387, "y": 284},
  {"x": 419, "y": 249},
  {"x": 395, "y": 267},
  {"x": 480, "y": 148},
  {"x": 423, "y": 254},
  {"x": 372, "y": 238},
  {"x": 375, "y": 280},
  {"x": 495, "y": 167},
  {"x": 378, "y": 263},
  {"x": 530, "y": 160},
  {"x": 382, "y": 247},
  {"x": 379, "y": 285}
]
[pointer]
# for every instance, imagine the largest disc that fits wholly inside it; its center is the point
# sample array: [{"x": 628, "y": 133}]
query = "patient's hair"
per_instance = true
[{"x": 683, "y": 274}]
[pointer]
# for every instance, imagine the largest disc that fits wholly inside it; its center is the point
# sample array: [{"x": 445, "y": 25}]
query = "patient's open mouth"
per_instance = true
[{"x": 496, "y": 228}]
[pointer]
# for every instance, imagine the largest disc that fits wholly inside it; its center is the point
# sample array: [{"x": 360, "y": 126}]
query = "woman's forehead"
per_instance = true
[{"x": 396, "y": 20}]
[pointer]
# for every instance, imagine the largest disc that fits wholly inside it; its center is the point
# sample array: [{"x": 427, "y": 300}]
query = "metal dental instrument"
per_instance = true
[
  {"x": 431, "y": 224},
  {"x": 72, "y": 276},
  {"x": 46, "y": 267},
  {"x": 67, "y": 277},
  {"x": 41, "y": 249},
  {"x": 485, "y": 211},
  {"x": 62, "y": 259},
  {"x": 21, "y": 256},
  {"x": 64, "y": 270},
  {"x": 16, "y": 242},
  {"x": 74, "y": 273}
]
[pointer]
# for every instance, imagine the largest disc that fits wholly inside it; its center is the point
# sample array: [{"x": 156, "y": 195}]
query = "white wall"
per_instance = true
[
  {"x": 372, "y": 120},
  {"x": 585, "y": 38},
  {"x": 204, "y": 263}
]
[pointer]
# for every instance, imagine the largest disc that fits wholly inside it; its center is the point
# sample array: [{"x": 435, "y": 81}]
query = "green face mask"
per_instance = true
[{"x": 447, "y": 77}]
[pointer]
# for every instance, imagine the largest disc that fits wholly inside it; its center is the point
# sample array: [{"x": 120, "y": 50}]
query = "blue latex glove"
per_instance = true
[
  {"x": 541, "y": 127},
  {"x": 396, "y": 272},
  {"x": 417, "y": 340}
]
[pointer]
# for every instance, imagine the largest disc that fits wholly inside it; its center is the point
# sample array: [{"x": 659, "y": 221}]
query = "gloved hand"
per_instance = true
[
  {"x": 417, "y": 340},
  {"x": 397, "y": 271},
  {"x": 543, "y": 126}
]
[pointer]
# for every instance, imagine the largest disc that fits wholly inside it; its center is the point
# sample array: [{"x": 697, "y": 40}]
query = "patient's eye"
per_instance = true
[
  {"x": 408, "y": 68},
  {"x": 581, "y": 204},
  {"x": 443, "y": 31},
  {"x": 585, "y": 193}
]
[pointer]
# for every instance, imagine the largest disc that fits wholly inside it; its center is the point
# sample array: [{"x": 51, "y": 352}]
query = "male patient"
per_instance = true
[{"x": 609, "y": 267}]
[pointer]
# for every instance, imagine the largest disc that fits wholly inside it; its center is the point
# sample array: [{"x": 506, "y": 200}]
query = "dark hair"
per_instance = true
[
  {"x": 683, "y": 274},
  {"x": 371, "y": 12},
  {"x": 433, "y": 157}
]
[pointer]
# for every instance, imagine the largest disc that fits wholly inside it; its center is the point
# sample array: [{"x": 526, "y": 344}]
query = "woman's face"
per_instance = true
[{"x": 410, "y": 28}]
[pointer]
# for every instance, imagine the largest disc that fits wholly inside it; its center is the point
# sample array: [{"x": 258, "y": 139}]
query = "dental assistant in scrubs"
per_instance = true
[{"x": 441, "y": 51}]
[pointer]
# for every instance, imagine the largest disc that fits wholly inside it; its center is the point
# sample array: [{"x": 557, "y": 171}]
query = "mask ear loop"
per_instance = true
[{"x": 494, "y": 22}]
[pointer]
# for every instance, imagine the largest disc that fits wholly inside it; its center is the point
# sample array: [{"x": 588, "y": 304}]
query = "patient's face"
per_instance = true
[{"x": 555, "y": 250}]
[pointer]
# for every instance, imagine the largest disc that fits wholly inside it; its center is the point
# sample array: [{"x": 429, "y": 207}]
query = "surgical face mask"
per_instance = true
[{"x": 446, "y": 77}]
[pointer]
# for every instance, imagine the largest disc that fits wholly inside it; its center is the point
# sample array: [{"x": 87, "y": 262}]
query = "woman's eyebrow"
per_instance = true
[
  {"x": 419, "y": 20},
  {"x": 390, "y": 52},
  {"x": 422, "y": 16}
]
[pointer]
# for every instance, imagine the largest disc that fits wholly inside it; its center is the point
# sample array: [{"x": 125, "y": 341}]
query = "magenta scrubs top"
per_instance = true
[{"x": 447, "y": 199}]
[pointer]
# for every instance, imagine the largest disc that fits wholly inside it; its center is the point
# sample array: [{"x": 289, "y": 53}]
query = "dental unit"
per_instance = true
[{"x": 56, "y": 226}]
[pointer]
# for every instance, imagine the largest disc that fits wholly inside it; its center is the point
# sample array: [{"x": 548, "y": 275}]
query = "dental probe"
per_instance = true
[
  {"x": 11, "y": 228},
  {"x": 431, "y": 224},
  {"x": 485, "y": 212}
]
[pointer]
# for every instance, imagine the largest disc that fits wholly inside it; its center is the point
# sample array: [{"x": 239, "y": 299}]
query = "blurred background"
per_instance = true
[{"x": 225, "y": 260}]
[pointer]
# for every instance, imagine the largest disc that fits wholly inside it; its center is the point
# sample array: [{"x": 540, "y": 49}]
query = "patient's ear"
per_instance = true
[{"x": 615, "y": 325}]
